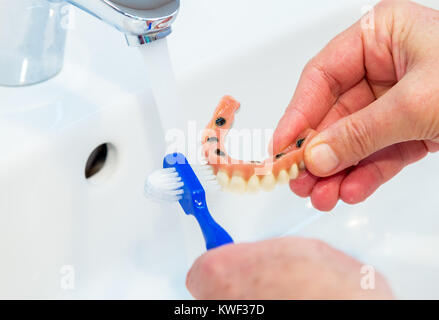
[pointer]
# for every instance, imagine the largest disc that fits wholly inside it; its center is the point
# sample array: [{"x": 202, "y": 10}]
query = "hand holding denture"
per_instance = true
[{"x": 373, "y": 94}]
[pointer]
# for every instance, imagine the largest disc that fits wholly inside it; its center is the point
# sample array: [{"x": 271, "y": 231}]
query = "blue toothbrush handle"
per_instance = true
[{"x": 214, "y": 235}]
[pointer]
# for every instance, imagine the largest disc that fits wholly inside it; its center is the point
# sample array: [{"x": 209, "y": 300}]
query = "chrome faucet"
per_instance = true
[{"x": 34, "y": 31}]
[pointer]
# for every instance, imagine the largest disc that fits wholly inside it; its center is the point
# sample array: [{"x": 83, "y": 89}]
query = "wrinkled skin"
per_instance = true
[
  {"x": 289, "y": 268},
  {"x": 374, "y": 96}
]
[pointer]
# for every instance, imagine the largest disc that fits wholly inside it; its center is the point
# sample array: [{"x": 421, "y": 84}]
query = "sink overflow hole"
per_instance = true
[{"x": 96, "y": 161}]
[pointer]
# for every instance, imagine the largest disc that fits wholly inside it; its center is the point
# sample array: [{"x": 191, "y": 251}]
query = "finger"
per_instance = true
[
  {"x": 235, "y": 271},
  {"x": 204, "y": 278},
  {"x": 379, "y": 168},
  {"x": 350, "y": 102},
  {"x": 385, "y": 122},
  {"x": 325, "y": 193},
  {"x": 283, "y": 268},
  {"x": 357, "y": 98},
  {"x": 431, "y": 146},
  {"x": 303, "y": 185},
  {"x": 336, "y": 69}
]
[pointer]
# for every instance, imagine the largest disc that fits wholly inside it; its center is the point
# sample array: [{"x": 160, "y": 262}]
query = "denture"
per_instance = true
[{"x": 240, "y": 176}]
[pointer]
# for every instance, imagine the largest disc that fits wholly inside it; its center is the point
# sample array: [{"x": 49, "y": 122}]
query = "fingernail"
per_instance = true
[{"x": 323, "y": 158}]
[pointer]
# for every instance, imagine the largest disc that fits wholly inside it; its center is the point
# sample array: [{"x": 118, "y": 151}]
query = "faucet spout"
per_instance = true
[
  {"x": 34, "y": 32},
  {"x": 142, "y": 21}
]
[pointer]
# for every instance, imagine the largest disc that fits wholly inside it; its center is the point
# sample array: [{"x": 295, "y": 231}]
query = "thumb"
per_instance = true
[{"x": 357, "y": 136}]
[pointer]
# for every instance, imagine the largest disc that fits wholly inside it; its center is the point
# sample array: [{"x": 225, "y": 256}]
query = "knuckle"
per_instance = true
[
  {"x": 396, "y": 13},
  {"x": 393, "y": 4},
  {"x": 211, "y": 266},
  {"x": 432, "y": 146},
  {"x": 205, "y": 279},
  {"x": 358, "y": 138},
  {"x": 218, "y": 276},
  {"x": 318, "y": 245},
  {"x": 403, "y": 153},
  {"x": 330, "y": 81},
  {"x": 417, "y": 109}
]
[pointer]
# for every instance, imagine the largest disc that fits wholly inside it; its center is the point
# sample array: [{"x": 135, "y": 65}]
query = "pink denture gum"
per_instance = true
[{"x": 241, "y": 176}]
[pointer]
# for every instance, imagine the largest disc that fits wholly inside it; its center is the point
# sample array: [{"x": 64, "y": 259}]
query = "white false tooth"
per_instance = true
[
  {"x": 237, "y": 184},
  {"x": 294, "y": 172},
  {"x": 223, "y": 179},
  {"x": 302, "y": 165},
  {"x": 283, "y": 177},
  {"x": 268, "y": 182},
  {"x": 253, "y": 185}
]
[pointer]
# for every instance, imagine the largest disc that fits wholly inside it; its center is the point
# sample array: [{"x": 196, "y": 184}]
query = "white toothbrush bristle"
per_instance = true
[
  {"x": 207, "y": 177},
  {"x": 165, "y": 185}
]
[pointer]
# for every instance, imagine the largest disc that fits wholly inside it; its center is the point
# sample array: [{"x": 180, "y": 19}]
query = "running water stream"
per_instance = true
[{"x": 164, "y": 88}]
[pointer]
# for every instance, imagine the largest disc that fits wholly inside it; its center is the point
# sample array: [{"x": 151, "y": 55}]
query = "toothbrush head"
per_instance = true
[{"x": 179, "y": 181}]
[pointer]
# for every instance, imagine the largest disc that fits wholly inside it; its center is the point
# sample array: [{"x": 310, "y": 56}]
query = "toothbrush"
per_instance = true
[{"x": 177, "y": 181}]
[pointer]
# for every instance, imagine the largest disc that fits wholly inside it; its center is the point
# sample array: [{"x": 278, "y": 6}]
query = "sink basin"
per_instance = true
[{"x": 76, "y": 150}]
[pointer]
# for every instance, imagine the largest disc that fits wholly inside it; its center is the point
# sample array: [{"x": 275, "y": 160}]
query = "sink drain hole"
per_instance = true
[{"x": 98, "y": 162}]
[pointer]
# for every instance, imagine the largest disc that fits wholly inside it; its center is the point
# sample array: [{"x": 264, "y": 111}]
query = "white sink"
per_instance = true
[{"x": 56, "y": 224}]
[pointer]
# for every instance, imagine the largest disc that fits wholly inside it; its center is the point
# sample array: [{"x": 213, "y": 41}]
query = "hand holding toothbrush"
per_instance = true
[{"x": 289, "y": 268}]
